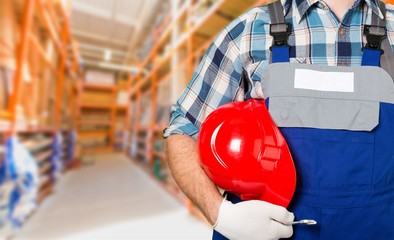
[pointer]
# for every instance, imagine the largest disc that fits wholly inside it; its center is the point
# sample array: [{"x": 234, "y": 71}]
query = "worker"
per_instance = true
[{"x": 325, "y": 69}]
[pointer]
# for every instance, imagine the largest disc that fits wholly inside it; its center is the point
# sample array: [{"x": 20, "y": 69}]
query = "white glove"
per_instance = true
[{"x": 253, "y": 220}]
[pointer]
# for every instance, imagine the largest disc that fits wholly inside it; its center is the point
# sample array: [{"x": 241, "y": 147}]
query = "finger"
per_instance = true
[
  {"x": 282, "y": 231},
  {"x": 281, "y": 215}
]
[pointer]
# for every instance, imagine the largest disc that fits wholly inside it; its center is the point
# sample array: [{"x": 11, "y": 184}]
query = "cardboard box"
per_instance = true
[
  {"x": 6, "y": 86},
  {"x": 102, "y": 98},
  {"x": 8, "y": 34}
]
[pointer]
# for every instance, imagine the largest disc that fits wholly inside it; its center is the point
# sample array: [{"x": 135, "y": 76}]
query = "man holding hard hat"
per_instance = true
[{"x": 324, "y": 70}]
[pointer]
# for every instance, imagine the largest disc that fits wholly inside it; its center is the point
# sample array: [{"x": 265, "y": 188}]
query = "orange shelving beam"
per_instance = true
[
  {"x": 113, "y": 119},
  {"x": 65, "y": 39},
  {"x": 37, "y": 45},
  {"x": 23, "y": 46},
  {"x": 53, "y": 16},
  {"x": 153, "y": 114},
  {"x": 101, "y": 87},
  {"x": 53, "y": 27},
  {"x": 95, "y": 122},
  {"x": 96, "y": 106},
  {"x": 42, "y": 8},
  {"x": 60, "y": 76},
  {"x": 118, "y": 107},
  {"x": 5, "y": 115}
]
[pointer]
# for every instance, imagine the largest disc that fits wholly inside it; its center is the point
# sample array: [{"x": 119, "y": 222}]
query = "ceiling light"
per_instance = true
[{"x": 107, "y": 55}]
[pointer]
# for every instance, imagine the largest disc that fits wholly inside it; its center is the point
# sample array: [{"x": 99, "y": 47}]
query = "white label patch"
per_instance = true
[{"x": 324, "y": 81}]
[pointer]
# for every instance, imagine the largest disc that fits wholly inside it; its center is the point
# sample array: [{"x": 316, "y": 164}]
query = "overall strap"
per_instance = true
[
  {"x": 280, "y": 31},
  {"x": 375, "y": 34},
  {"x": 387, "y": 59}
]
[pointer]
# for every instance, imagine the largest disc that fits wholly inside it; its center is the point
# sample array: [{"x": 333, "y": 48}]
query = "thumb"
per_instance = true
[{"x": 280, "y": 214}]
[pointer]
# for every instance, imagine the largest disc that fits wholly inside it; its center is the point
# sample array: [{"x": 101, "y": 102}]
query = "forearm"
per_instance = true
[{"x": 185, "y": 168}]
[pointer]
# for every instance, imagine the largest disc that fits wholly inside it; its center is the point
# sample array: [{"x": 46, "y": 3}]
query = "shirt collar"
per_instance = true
[
  {"x": 304, "y": 5},
  {"x": 301, "y": 5}
]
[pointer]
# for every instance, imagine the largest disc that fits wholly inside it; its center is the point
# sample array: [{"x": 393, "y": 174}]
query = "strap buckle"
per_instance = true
[
  {"x": 375, "y": 36},
  {"x": 280, "y": 33}
]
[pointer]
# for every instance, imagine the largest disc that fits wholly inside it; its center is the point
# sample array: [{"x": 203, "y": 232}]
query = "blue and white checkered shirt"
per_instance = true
[{"x": 232, "y": 66}]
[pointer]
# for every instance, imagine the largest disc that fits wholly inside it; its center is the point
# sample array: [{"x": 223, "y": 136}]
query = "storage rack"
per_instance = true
[
  {"x": 39, "y": 144},
  {"x": 179, "y": 43},
  {"x": 68, "y": 147},
  {"x": 2, "y": 147},
  {"x": 95, "y": 117},
  {"x": 46, "y": 67},
  {"x": 121, "y": 117}
]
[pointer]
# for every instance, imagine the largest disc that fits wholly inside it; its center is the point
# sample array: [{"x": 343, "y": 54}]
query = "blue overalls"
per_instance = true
[{"x": 340, "y": 136}]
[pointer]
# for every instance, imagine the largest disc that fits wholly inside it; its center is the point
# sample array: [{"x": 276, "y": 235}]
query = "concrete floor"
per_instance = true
[{"x": 111, "y": 198}]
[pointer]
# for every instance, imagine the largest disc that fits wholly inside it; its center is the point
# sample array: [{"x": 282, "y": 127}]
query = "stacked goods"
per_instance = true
[
  {"x": 162, "y": 115},
  {"x": 8, "y": 40},
  {"x": 92, "y": 120},
  {"x": 8, "y": 34},
  {"x": 93, "y": 140},
  {"x": 97, "y": 98},
  {"x": 146, "y": 110},
  {"x": 120, "y": 123},
  {"x": 94, "y": 128},
  {"x": 122, "y": 83},
  {"x": 6, "y": 76},
  {"x": 95, "y": 116},
  {"x": 121, "y": 134}
]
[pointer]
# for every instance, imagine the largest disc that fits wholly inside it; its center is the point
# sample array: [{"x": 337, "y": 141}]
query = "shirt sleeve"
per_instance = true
[{"x": 216, "y": 81}]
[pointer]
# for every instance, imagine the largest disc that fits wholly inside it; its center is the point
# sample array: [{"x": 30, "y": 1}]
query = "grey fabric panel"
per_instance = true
[
  {"x": 358, "y": 110},
  {"x": 371, "y": 83},
  {"x": 324, "y": 113}
]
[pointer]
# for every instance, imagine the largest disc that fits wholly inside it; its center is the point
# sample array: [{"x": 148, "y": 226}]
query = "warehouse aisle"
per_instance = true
[{"x": 111, "y": 198}]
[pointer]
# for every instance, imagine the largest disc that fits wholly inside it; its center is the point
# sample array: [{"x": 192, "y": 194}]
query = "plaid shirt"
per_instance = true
[{"x": 232, "y": 67}]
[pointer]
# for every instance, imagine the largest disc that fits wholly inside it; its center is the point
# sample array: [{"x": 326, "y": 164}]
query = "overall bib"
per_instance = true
[{"x": 339, "y": 125}]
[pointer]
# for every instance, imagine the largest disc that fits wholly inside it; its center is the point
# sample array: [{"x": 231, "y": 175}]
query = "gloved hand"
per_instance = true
[{"x": 253, "y": 220}]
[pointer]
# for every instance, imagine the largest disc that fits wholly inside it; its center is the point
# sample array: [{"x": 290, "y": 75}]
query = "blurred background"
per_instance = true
[{"x": 85, "y": 92}]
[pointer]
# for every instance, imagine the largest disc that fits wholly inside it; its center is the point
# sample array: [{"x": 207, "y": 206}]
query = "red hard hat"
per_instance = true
[{"x": 243, "y": 152}]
